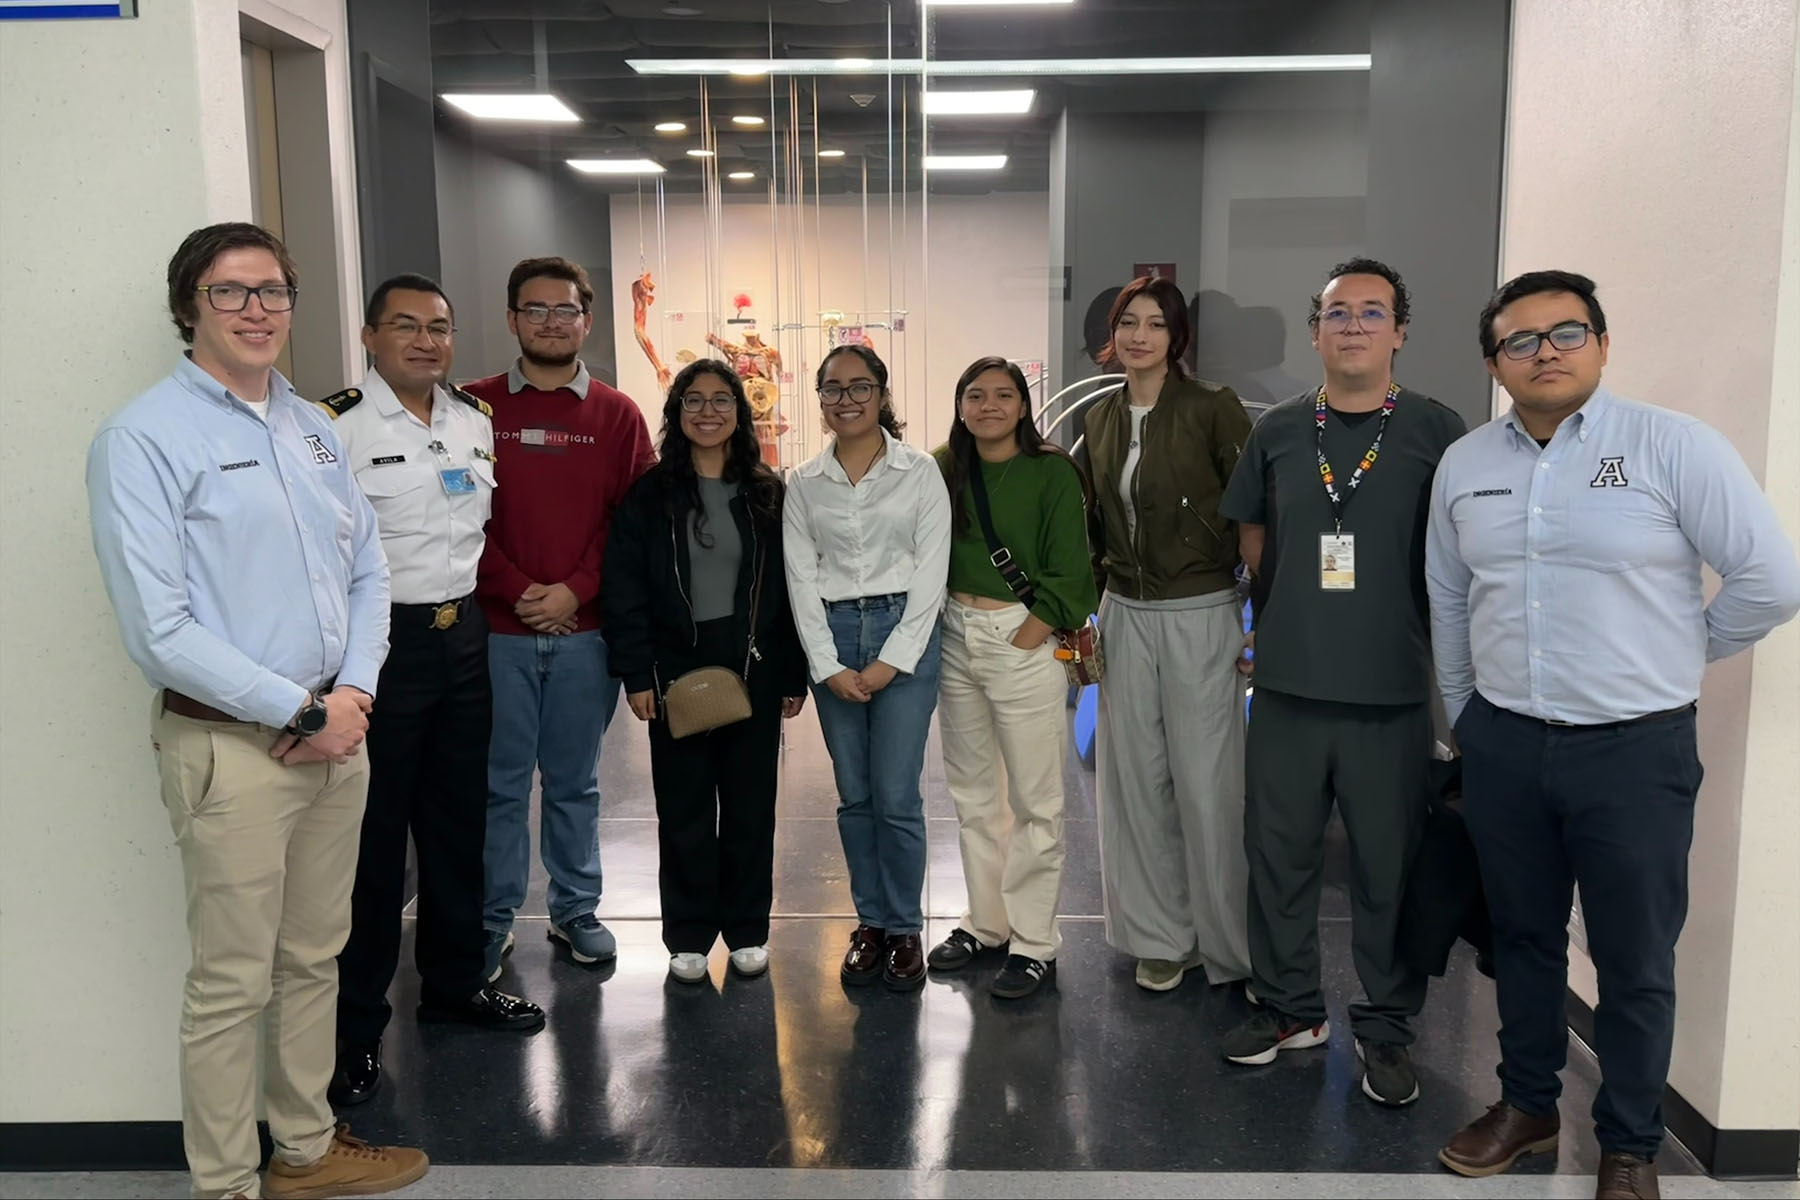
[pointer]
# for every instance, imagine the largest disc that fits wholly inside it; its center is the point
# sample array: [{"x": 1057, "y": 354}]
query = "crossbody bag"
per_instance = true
[
  {"x": 709, "y": 698},
  {"x": 1077, "y": 649}
]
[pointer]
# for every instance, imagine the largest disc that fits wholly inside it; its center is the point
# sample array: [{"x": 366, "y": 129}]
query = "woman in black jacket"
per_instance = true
[{"x": 694, "y": 552}]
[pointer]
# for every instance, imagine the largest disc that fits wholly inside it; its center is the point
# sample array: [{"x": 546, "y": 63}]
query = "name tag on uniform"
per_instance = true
[
  {"x": 387, "y": 460},
  {"x": 1337, "y": 562},
  {"x": 458, "y": 481}
]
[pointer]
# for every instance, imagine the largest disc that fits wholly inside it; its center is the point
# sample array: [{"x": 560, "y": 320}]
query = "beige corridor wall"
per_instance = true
[
  {"x": 1651, "y": 145},
  {"x": 119, "y": 137}
]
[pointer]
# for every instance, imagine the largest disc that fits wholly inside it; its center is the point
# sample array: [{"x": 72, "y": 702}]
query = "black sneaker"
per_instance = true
[
  {"x": 957, "y": 951},
  {"x": 1388, "y": 1076},
  {"x": 1021, "y": 976},
  {"x": 1267, "y": 1033}
]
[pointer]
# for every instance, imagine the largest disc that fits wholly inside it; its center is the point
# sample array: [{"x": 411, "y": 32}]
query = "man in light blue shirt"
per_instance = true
[
  {"x": 250, "y": 587},
  {"x": 1564, "y": 563}
]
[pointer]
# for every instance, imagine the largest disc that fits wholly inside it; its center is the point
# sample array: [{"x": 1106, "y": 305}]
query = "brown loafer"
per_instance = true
[
  {"x": 867, "y": 955},
  {"x": 1627, "y": 1177},
  {"x": 905, "y": 969},
  {"x": 1497, "y": 1139}
]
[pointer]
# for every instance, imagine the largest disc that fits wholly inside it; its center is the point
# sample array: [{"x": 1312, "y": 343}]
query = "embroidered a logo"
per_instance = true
[
  {"x": 1612, "y": 474},
  {"x": 321, "y": 452}
]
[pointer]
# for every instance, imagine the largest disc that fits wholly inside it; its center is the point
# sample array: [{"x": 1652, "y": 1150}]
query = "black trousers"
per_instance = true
[
  {"x": 1610, "y": 808},
  {"x": 427, "y": 748},
  {"x": 715, "y": 811},
  {"x": 1373, "y": 760}
]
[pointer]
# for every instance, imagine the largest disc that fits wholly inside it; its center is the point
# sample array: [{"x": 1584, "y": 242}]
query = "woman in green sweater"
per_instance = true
[{"x": 1002, "y": 697}]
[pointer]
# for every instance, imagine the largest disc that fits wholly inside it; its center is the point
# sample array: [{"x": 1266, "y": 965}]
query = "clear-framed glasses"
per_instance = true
[
  {"x": 235, "y": 297},
  {"x": 723, "y": 403},
  {"x": 860, "y": 392},
  {"x": 1570, "y": 335},
  {"x": 437, "y": 331},
  {"x": 1337, "y": 320},
  {"x": 538, "y": 314}
]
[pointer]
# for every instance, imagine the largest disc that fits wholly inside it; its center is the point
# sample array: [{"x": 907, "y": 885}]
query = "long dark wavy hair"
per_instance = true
[
  {"x": 960, "y": 463},
  {"x": 744, "y": 466},
  {"x": 890, "y": 420}
]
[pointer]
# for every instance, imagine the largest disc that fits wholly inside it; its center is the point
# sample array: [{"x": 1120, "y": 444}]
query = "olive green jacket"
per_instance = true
[{"x": 1182, "y": 546}]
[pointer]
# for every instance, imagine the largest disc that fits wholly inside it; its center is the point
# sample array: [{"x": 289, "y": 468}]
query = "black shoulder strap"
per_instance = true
[
  {"x": 341, "y": 403},
  {"x": 999, "y": 555},
  {"x": 474, "y": 402}
]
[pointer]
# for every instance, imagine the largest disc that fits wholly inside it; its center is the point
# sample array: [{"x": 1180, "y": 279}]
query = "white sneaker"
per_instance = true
[
  {"x": 689, "y": 967},
  {"x": 750, "y": 960}
]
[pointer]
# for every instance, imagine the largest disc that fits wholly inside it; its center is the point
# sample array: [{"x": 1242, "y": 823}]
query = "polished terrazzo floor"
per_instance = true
[{"x": 727, "y": 1086}]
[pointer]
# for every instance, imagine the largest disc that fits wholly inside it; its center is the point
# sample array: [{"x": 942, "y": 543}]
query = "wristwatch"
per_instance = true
[{"x": 310, "y": 719}]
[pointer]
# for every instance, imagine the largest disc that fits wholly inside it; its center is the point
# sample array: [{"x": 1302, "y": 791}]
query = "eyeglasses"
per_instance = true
[
  {"x": 235, "y": 297},
  {"x": 1337, "y": 320},
  {"x": 693, "y": 402},
  {"x": 1570, "y": 335},
  {"x": 437, "y": 331},
  {"x": 538, "y": 314},
  {"x": 861, "y": 392}
]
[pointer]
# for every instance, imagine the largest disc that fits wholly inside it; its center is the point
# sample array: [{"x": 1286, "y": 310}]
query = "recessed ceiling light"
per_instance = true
[
  {"x": 741, "y": 175},
  {"x": 671, "y": 127},
  {"x": 616, "y": 166},
  {"x": 972, "y": 104},
  {"x": 831, "y": 154},
  {"x": 965, "y": 162},
  {"x": 700, "y": 153},
  {"x": 515, "y": 107},
  {"x": 987, "y": 3},
  {"x": 746, "y": 119},
  {"x": 1222, "y": 65}
]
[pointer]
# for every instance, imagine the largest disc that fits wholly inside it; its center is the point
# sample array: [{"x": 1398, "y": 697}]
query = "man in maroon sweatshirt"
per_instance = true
[{"x": 567, "y": 448}]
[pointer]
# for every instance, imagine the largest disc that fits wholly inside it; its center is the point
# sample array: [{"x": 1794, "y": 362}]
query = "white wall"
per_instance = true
[
  {"x": 1651, "y": 146},
  {"x": 91, "y": 927},
  {"x": 987, "y": 258}
]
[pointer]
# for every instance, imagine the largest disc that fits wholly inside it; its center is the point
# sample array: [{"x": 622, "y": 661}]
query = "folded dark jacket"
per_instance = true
[{"x": 1443, "y": 899}]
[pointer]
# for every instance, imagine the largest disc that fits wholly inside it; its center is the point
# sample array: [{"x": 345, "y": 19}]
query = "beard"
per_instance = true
[{"x": 541, "y": 358}]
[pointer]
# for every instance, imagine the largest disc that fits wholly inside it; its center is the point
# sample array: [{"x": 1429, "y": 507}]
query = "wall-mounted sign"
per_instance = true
[{"x": 63, "y": 10}]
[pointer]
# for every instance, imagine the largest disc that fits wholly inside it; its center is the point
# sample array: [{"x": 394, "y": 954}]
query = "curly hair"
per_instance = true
[{"x": 744, "y": 466}]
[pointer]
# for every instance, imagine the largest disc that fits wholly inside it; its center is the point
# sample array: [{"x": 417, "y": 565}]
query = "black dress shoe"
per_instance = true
[
  {"x": 490, "y": 1009},
  {"x": 358, "y": 1076}
]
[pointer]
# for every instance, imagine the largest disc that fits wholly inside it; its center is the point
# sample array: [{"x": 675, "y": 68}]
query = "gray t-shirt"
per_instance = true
[
  {"x": 713, "y": 588},
  {"x": 1372, "y": 644}
]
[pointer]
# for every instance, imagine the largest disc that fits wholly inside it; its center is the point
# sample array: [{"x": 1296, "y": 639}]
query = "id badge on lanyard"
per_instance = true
[
  {"x": 1337, "y": 549},
  {"x": 457, "y": 481}
]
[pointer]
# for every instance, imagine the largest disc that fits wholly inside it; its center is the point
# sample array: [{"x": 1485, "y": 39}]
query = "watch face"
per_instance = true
[{"x": 313, "y": 719}]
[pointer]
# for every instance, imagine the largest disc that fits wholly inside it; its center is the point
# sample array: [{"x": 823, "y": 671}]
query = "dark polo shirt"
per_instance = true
[{"x": 1371, "y": 645}]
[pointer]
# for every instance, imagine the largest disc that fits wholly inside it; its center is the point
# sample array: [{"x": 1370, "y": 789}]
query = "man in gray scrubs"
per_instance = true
[{"x": 1331, "y": 495}]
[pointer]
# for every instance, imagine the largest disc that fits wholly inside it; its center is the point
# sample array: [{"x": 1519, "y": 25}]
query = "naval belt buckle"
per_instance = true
[{"x": 445, "y": 616}]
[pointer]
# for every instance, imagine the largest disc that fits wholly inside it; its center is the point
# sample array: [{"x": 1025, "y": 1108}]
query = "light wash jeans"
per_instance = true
[
  {"x": 877, "y": 754},
  {"x": 553, "y": 700}
]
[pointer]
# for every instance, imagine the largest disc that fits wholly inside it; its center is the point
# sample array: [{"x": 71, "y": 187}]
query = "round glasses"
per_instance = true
[
  {"x": 693, "y": 402},
  {"x": 1570, "y": 335},
  {"x": 235, "y": 297},
  {"x": 860, "y": 392}
]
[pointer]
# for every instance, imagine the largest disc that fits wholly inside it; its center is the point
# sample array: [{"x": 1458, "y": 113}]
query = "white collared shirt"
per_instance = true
[
  {"x": 433, "y": 539},
  {"x": 888, "y": 534}
]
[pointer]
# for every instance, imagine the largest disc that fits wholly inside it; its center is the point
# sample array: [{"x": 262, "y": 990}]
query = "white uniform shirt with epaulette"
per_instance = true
[{"x": 432, "y": 487}]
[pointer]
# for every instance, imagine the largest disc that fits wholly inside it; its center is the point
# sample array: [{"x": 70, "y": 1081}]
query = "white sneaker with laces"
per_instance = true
[
  {"x": 688, "y": 967},
  {"x": 750, "y": 960}
]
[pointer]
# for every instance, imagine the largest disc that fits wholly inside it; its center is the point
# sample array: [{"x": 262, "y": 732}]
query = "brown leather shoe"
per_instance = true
[
  {"x": 905, "y": 969},
  {"x": 867, "y": 954},
  {"x": 1497, "y": 1139},
  {"x": 1627, "y": 1177},
  {"x": 351, "y": 1167}
]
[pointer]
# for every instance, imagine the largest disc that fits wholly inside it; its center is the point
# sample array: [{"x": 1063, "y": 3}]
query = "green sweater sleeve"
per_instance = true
[{"x": 1066, "y": 594}]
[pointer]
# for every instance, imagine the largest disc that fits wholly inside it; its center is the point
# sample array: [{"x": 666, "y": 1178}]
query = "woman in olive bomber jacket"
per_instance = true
[{"x": 1170, "y": 732}]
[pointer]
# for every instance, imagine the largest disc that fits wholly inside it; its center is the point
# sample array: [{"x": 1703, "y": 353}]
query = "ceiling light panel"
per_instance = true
[
  {"x": 965, "y": 162},
  {"x": 997, "y": 3},
  {"x": 515, "y": 107},
  {"x": 978, "y": 104},
  {"x": 1224, "y": 65},
  {"x": 671, "y": 127},
  {"x": 616, "y": 166}
]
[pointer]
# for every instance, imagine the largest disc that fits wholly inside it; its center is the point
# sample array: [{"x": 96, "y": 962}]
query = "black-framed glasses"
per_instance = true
[
  {"x": 437, "y": 331},
  {"x": 860, "y": 392},
  {"x": 538, "y": 314},
  {"x": 1337, "y": 320},
  {"x": 693, "y": 402},
  {"x": 1569, "y": 335},
  {"x": 235, "y": 297}
]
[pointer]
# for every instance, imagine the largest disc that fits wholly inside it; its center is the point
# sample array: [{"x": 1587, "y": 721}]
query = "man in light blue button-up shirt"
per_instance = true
[
  {"x": 250, "y": 587},
  {"x": 1570, "y": 630}
]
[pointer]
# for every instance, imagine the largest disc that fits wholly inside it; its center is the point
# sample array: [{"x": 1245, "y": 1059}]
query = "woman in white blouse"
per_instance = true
[{"x": 867, "y": 543}]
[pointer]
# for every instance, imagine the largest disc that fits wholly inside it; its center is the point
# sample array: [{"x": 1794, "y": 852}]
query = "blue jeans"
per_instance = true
[
  {"x": 877, "y": 754},
  {"x": 552, "y": 702}
]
